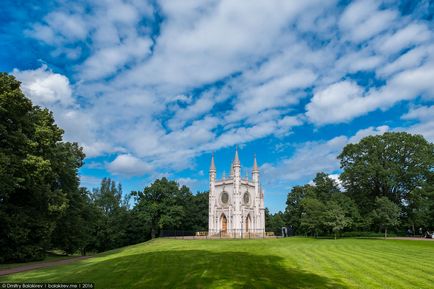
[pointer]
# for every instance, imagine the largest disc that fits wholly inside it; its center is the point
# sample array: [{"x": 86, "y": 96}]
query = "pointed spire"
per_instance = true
[
  {"x": 236, "y": 159},
  {"x": 212, "y": 167},
  {"x": 255, "y": 164}
]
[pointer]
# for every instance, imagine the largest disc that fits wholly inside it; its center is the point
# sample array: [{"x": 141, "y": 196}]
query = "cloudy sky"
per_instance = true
[{"x": 151, "y": 88}]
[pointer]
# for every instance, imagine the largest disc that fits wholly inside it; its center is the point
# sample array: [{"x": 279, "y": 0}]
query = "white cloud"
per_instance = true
[
  {"x": 45, "y": 87},
  {"x": 128, "y": 165},
  {"x": 425, "y": 117},
  {"x": 411, "y": 59},
  {"x": 345, "y": 100},
  {"x": 218, "y": 73},
  {"x": 89, "y": 181},
  {"x": 107, "y": 61},
  {"x": 410, "y": 35},
  {"x": 336, "y": 103},
  {"x": 312, "y": 157},
  {"x": 362, "y": 20}
]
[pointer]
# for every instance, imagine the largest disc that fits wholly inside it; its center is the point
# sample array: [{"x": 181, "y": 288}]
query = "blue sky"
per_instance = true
[{"x": 151, "y": 88}]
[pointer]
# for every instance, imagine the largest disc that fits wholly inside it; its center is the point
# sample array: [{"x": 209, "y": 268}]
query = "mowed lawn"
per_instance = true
[{"x": 269, "y": 263}]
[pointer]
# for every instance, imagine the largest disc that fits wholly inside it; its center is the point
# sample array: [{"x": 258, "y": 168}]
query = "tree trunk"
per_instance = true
[
  {"x": 152, "y": 233},
  {"x": 335, "y": 235},
  {"x": 385, "y": 233},
  {"x": 414, "y": 232}
]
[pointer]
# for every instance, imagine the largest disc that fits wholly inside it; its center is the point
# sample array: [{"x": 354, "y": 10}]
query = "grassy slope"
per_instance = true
[{"x": 274, "y": 263}]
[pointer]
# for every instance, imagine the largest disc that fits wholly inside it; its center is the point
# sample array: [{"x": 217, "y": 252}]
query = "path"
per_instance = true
[
  {"x": 40, "y": 265},
  {"x": 410, "y": 238}
]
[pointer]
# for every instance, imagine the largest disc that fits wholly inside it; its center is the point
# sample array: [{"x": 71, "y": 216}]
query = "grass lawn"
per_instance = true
[{"x": 271, "y": 263}]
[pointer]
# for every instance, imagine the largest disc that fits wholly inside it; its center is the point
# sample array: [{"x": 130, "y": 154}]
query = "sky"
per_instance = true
[{"x": 152, "y": 88}]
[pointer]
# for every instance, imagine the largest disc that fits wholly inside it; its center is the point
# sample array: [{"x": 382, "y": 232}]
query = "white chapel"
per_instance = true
[{"x": 236, "y": 204}]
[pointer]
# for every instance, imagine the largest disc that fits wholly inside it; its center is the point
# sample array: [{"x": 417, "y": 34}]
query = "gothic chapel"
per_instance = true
[{"x": 236, "y": 204}]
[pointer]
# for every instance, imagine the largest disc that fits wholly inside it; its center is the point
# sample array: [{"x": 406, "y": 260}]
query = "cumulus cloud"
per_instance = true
[
  {"x": 346, "y": 100},
  {"x": 128, "y": 165},
  {"x": 45, "y": 87},
  {"x": 336, "y": 103},
  {"x": 163, "y": 82}
]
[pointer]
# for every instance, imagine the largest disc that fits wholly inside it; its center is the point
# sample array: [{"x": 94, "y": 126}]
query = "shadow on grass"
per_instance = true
[{"x": 186, "y": 269}]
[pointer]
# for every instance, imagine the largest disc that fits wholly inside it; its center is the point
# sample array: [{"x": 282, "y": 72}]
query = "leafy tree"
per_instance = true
[
  {"x": 389, "y": 165},
  {"x": 37, "y": 172},
  {"x": 294, "y": 209},
  {"x": 198, "y": 212},
  {"x": 312, "y": 216},
  {"x": 335, "y": 217},
  {"x": 386, "y": 213},
  {"x": 162, "y": 204},
  {"x": 350, "y": 210},
  {"x": 274, "y": 222},
  {"x": 420, "y": 208},
  {"x": 324, "y": 187},
  {"x": 112, "y": 216}
]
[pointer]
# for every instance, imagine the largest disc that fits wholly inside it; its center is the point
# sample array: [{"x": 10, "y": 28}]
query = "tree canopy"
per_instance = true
[{"x": 38, "y": 174}]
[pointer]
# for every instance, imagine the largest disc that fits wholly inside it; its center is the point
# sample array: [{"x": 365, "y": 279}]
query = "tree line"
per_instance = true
[
  {"x": 387, "y": 183},
  {"x": 43, "y": 207}
]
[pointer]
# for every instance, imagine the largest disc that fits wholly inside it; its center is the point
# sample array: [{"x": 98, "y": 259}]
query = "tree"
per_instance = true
[
  {"x": 274, "y": 222},
  {"x": 74, "y": 230},
  {"x": 163, "y": 205},
  {"x": 335, "y": 217},
  {"x": 386, "y": 213},
  {"x": 312, "y": 215},
  {"x": 198, "y": 212},
  {"x": 294, "y": 209},
  {"x": 420, "y": 207},
  {"x": 37, "y": 172},
  {"x": 389, "y": 165},
  {"x": 112, "y": 216},
  {"x": 324, "y": 187}
]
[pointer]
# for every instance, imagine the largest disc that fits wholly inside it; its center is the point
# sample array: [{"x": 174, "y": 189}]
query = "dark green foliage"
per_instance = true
[
  {"x": 335, "y": 217},
  {"x": 312, "y": 215},
  {"x": 389, "y": 165},
  {"x": 111, "y": 217},
  {"x": 385, "y": 214},
  {"x": 388, "y": 180},
  {"x": 420, "y": 210},
  {"x": 294, "y": 209},
  {"x": 274, "y": 222},
  {"x": 320, "y": 208},
  {"x": 198, "y": 212},
  {"x": 38, "y": 174},
  {"x": 164, "y": 205},
  {"x": 74, "y": 230}
]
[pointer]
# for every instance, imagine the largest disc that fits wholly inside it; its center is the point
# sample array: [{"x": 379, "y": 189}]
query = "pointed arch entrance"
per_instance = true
[
  {"x": 248, "y": 223},
  {"x": 224, "y": 223}
]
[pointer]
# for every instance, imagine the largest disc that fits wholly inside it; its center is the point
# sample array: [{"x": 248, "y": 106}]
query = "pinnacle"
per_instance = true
[
  {"x": 212, "y": 167},
  {"x": 236, "y": 159},
  {"x": 255, "y": 164}
]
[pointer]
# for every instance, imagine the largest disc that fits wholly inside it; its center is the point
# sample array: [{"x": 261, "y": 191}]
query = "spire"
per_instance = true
[
  {"x": 255, "y": 164},
  {"x": 212, "y": 167},
  {"x": 236, "y": 159}
]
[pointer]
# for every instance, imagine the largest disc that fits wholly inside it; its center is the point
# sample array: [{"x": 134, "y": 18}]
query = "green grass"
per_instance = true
[{"x": 271, "y": 263}]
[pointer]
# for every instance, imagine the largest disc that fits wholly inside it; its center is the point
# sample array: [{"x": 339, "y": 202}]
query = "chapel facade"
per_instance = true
[{"x": 236, "y": 204}]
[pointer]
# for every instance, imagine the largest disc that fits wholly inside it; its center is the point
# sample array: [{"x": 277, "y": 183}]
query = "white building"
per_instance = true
[{"x": 236, "y": 204}]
